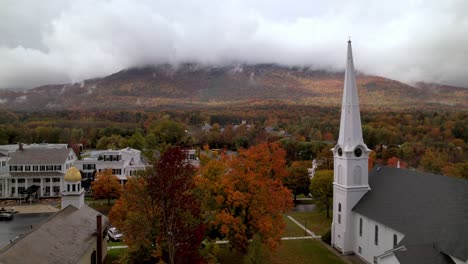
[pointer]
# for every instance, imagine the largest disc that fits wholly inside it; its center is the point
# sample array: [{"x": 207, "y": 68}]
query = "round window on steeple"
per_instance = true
[
  {"x": 357, "y": 152},
  {"x": 340, "y": 152}
]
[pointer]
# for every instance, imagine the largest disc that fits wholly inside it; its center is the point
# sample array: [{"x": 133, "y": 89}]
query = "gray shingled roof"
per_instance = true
[
  {"x": 39, "y": 156},
  {"x": 64, "y": 238},
  {"x": 431, "y": 210}
]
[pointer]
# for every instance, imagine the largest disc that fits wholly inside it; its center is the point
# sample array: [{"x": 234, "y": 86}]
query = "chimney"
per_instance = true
[
  {"x": 99, "y": 238},
  {"x": 20, "y": 146}
]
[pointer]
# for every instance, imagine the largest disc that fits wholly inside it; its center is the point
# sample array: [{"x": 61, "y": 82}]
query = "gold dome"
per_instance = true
[{"x": 72, "y": 175}]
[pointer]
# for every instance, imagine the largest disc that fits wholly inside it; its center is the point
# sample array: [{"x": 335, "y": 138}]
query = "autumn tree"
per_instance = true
[
  {"x": 106, "y": 185},
  {"x": 244, "y": 195},
  {"x": 163, "y": 198},
  {"x": 394, "y": 161},
  {"x": 298, "y": 180},
  {"x": 321, "y": 188}
]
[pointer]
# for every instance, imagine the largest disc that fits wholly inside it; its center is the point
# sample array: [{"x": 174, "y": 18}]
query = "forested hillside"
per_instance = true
[{"x": 434, "y": 141}]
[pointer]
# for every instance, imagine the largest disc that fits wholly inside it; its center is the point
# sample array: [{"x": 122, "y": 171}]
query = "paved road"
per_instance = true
[{"x": 21, "y": 224}]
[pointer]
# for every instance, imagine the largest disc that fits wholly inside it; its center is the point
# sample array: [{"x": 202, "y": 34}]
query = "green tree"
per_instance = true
[
  {"x": 321, "y": 188},
  {"x": 298, "y": 180}
]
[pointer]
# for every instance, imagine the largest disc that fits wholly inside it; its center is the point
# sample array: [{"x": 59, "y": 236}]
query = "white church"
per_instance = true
[{"x": 392, "y": 215}]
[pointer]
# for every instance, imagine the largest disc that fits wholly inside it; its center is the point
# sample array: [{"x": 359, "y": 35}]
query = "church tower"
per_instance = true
[
  {"x": 73, "y": 193},
  {"x": 351, "y": 154}
]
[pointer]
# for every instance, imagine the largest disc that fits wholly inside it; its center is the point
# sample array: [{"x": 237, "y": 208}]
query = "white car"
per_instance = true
[{"x": 114, "y": 234}]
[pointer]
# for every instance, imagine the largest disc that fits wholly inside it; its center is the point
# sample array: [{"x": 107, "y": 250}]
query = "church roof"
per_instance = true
[
  {"x": 64, "y": 238},
  {"x": 429, "y": 209}
]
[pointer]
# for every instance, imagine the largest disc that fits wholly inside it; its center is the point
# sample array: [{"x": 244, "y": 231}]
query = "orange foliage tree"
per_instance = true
[
  {"x": 393, "y": 162},
  {"x": 106, "y": 185},
  {"x": 244, "y": 195}
]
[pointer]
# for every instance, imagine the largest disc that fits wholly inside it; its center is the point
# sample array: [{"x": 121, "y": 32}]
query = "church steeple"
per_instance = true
[
  {"x": 350, "y": 124},
  {"x": 350, "y": 176}
]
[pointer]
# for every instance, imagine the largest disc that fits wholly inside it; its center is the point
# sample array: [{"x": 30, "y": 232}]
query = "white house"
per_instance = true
[
  {"x": 124, "y": 162},
  {"x": 39, "y": 168},
  {"x": 392, "y": 215},
  {"x": 75, "y": 234}
]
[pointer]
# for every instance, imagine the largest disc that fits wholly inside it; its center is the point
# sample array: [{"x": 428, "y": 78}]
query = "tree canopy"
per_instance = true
[{"x": 244, "y": 196}]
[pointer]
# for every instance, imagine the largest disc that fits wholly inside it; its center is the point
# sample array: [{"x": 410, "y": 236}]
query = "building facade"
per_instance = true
[
  {"x": 34, "y": 172},
  {"x": 123, "y": 163}
]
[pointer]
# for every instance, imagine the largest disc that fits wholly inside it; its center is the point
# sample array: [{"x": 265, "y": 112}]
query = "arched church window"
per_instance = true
[
  {"x": 357, "y": 175},
  {"x": 68, "y": 187},
  {"x": 73, "y": 187},
  {"x": 360, "y": 227},
  {"x": 376, "y": 238},
  {"x": 395, "y": 241},
  {"x": 339, "y": 207}
]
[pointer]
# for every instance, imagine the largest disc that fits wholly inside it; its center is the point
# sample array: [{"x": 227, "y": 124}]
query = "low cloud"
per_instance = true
[{"x": 70, "y": 41}]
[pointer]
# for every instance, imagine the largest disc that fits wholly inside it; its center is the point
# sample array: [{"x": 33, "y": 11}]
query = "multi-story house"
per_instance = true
[
  {"x": 124, "y": 162},
  {"x": 39, "y": 168}
]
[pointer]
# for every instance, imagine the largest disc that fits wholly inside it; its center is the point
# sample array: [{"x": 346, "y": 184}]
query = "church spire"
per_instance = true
[{"x": 350, "y": 125}]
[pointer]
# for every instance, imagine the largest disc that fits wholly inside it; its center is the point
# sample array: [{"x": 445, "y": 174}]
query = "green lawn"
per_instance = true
[
  {"x": 315, "y": 221},
  {"x": 100, "y": 205},
  {"x": 113, "y": 255},
  {"x": 304, "y": 251},
  {"x": 292, "y": 230},
  {"x": 290, "y": 251}
]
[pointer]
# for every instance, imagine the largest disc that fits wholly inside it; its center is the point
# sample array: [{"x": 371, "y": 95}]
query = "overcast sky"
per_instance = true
[{"x": 58, "y": 41}]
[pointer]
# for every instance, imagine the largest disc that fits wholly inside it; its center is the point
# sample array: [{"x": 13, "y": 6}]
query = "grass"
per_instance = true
[
  {"x": 304, "y": 251},
  {"x": 100, "y": 205},
  {"x": 315, "y": 221},
  {"x": 290, "y": 251},
  {"x": 292, "y": 230},
  {"x": 113, "y": 255}
]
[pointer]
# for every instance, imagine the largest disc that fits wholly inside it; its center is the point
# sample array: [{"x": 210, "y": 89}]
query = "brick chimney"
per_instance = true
[{"x": 99, "y": 238}]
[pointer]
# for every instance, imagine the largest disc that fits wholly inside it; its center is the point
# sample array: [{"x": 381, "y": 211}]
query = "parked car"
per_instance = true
[
  {"x": 6, "y": 214},
  {"x": 114, "y": 234}
]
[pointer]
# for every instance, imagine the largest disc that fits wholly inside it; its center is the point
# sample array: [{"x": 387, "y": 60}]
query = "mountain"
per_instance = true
[{"x": 193, "y": 85}]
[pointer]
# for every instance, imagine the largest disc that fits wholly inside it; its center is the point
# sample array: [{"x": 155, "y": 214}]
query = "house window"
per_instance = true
[
  {"x": 50, "y": 168},
  {"x": 339, "y": 218},
  {"x": 360, "y": 227},
  {"x": 339, "y": 207},
  {"x": 56, "y": 179},
  {"x": 56, "y": 189},
  {"x": 73, "y": 187},
  {"x": 35, "y": 168},
  {"x": 36, "y": 180},
  {"x": 20, "y": 180},
  {"x": 58, "y": 167},
  {"x": 68, "y": 187},
  {"x": 27, "y": 168},
  {"x": 42, "y": 168},
  {"x": 395, "y": 241},
  {"x": 376, "y": 238},
  {"x": 20, "y": 168}
]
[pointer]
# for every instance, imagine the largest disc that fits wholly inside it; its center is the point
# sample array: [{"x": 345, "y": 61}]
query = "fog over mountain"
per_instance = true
[{"x": 58, "y": 41}]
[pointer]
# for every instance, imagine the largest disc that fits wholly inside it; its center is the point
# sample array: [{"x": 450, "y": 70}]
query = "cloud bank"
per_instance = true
[{"x": 57, "y": 41}]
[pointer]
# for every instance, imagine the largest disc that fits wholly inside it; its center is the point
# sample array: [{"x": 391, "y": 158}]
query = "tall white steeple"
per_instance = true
[
  {"x": 350, "y": 125},
  {"x": 351, "y": 154}
]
